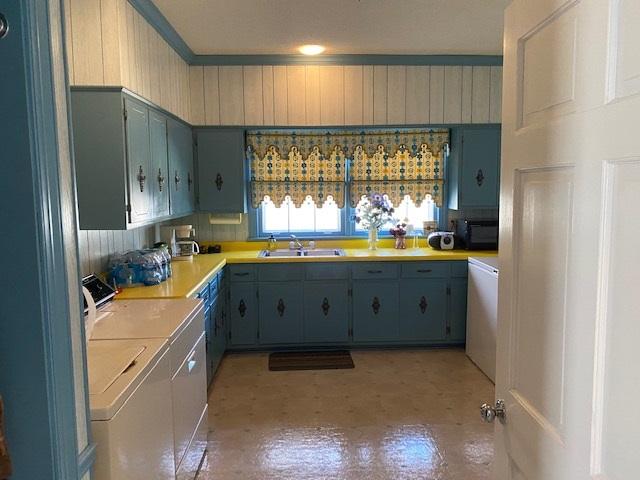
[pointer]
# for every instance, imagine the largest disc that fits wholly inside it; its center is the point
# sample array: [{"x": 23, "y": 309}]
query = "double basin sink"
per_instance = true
[{"x": 320, "y": 252}]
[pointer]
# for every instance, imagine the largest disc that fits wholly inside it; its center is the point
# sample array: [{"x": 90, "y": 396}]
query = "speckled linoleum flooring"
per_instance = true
[{"x": 397, "y": 415}]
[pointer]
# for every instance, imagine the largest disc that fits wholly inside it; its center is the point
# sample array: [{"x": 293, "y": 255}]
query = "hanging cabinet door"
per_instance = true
[
  {"x": 158, "y": 176},
  {"x": 423, "y": 309},
  {"x": 243, "y": 307},
  {"x": 281, "y": 310},
  {"x": 138, "y": 160},
  {"x": 181, "y": 168},
  {"x": 221, "y": 171},
  {"x": 326, "y": 312},
  {"x": 480, "y": 173},
  {"x": 375, "y": 310}
]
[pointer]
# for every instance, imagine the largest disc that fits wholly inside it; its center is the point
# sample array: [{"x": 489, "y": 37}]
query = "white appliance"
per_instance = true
[
  {"x": 482, "y": 313},
  {"x": 180, "y": 239},
  {"x": 180, "y": 322},
  {"x": 130, "y": 401}
]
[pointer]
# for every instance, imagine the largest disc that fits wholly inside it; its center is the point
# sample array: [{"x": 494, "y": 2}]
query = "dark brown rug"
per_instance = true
[{"x": 335, "y": 359}]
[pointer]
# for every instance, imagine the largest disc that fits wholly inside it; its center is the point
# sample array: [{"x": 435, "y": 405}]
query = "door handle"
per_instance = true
[
  {"x": 489, "y": 413},
  {"x": 325, "y": 306},
  {"x": 242, "y": 308},
  {"x": 219, "y": 181},
  {"x": 281, "y": 307},
  {"x": 375, "y": 305},
  {"x": 423, "y": 304},
  {"x": 141, "y": 178},
  {"x": 176, "y": 178},
  {"x": 160, "y": 179},
  {"x": 480, "y": 177},
  {"x": 374, "y": 271}
]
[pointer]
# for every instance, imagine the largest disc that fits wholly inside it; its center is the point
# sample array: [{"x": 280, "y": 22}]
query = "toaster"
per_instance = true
[{"x": 441, "y": 240}]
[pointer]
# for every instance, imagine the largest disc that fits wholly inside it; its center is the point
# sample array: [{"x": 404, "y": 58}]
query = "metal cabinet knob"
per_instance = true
[
  {"x": 489, "y": 413},
  {"x": 141, "y": 178},
  {"x": 219, "y": 182},
  {"x": 176, "y": 179},
  {"x": 4, "y": 26},
  {"x": 160, "y": 179}
]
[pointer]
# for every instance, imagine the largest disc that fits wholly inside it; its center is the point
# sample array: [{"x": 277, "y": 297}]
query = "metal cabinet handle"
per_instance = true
[
  {"x": 424, "y": 270},
  {"x": 4, "y": 26},
  {"x": 374, "y": 271},
  {"x": 242, "y": 308},
  {"x": 480, "y": 177},
  {"x": 160, "y": 179},
  {"x": 376, "y": 305},
  {"x": 176, "y": 178},
  {"x": 241, "y": 274},
  {"x": 281, "y": 307},
  {"x": 141, "y": 178},
  {"x": 189, "y": 181},
  {"x": 325, "y": 306},
  {"x": 219, "y": 181},
  {"x": 423, "y": 304}
]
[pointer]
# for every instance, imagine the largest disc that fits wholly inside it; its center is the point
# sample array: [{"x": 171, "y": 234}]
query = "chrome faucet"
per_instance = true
[{"x": 298, "y": 244}]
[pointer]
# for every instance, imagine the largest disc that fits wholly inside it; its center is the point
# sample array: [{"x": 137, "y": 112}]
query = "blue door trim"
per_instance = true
[
  {"x": 85, "y": 460},
  {"x": 157, "y": 20},
  {"x": 36, "y": 378}
]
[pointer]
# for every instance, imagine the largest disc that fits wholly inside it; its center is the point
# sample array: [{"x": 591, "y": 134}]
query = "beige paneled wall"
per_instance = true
[
  {"x": 312, "y": 95},
  {"x": 110, "y": 44},
  {"x": 97, "y": 245}
]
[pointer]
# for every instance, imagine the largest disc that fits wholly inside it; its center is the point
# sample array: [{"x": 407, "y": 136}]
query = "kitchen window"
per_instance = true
[{"x": 309, "y": 181}]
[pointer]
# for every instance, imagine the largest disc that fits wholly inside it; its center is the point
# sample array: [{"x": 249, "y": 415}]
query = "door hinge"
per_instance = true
[
  {"x": 128, "y": 208},
  {"x": 448, "y": 290}
]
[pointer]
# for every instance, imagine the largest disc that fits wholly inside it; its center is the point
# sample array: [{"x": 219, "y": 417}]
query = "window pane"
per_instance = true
[
  {"x": 409, "y": 213},
  {"x": 306, "y": 218}
]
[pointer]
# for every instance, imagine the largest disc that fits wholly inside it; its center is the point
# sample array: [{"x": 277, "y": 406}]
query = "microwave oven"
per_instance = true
[{"x": 481, "y": 234}]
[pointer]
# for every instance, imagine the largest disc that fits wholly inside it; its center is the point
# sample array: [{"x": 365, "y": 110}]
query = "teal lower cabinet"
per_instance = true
[
  {"x": 326, "y": 312},
  {"x": 319, "y": 305},
  {"x": 375, "y": 311},
  {"x": 243, "y": 313},
  {"x": 457, "y": 328},
  {"x": 280, "y": 312},
  {"x": 218, "y": 342},
  {"x": 423, "y": 310}
]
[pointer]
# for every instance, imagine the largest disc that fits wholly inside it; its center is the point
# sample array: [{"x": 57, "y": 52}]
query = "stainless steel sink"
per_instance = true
[{"x": 332, "y": 252}]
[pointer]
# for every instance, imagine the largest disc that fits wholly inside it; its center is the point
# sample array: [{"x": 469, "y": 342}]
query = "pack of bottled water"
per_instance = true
[{"x": 140, "y": 267}]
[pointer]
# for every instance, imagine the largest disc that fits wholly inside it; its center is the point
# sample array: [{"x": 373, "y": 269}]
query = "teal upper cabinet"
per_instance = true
[
  {"x": 181, "y": 172},
  {"x": 474, "y": 168},
  {"x": 123, "y": 147},
  {"x": 158, "y": 174},
  {"x": 221, "y": 171}
]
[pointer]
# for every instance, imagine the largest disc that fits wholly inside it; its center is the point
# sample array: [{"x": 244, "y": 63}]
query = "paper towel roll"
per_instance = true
[{"x": 90, "y": 318}]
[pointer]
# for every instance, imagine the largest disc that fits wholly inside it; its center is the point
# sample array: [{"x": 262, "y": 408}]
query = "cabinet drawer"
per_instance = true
[
  {"x": 242, "y": 273},
  {"x": 189, "y": 394},
  {"x": 374, "y": 270},
  {"x": 204, "y": 294},
  {"x": 327, "y": 271},
  {"x": 281, "y": 272},
  {"x": 184, "y": 343},
  {"x": 459, "y": 269},
  {"x": 436, "y": 269},
  {"x": 222, "y": 278}
]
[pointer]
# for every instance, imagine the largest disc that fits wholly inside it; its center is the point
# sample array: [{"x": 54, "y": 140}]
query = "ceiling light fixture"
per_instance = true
[{"x": 311, "y": 49}]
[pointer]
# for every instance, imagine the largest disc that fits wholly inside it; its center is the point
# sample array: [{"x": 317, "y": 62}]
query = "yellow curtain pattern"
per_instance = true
[{"x": 299, "y": 163}]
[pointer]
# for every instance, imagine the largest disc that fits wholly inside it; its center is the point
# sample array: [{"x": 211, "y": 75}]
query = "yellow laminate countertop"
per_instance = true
[{"x": 189, "y": 276}]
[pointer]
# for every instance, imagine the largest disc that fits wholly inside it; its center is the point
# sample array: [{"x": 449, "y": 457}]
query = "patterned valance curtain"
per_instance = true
[{"x": 312, "y": 163}]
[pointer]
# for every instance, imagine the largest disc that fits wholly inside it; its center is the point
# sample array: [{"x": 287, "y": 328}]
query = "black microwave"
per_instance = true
[{"x": 481, "y": 234}]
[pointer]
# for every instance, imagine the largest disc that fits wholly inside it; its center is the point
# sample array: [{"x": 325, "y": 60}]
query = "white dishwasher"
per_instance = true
[{"x": 482, "y": 313}]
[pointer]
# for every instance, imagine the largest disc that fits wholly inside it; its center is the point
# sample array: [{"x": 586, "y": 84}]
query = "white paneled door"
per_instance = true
[{"x": 569, "y": 302}]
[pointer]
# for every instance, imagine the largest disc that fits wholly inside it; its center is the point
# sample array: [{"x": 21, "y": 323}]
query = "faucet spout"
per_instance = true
[{"x": 298, "y": 244}]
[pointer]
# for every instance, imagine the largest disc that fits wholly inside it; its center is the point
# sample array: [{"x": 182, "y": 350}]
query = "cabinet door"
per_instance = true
[
  {"x": 158, "y": 176},
  {"x": 181, "y": 168},
  {"x": 221, "y": 171},
  {"x": 218, "y": 333},
  {"x": 375, "y": 311},
  {"x": 138, "y": 161},
  {"x": 281, "y": 310},
  {"x": 208, "y": 342},
  {"x": 480, "y": 173},
  {"x": 458, "y": 310},
  {"x": 326, "y": 312},
  {"x": 423, "y": 309},
  {"x": 243, "y": 314}
]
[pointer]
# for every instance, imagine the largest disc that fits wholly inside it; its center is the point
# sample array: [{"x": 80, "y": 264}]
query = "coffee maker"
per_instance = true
[{"x": 181, "y": 242}]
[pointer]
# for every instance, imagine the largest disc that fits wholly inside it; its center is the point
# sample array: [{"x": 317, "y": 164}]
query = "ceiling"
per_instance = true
[{"x": 242, "y": 27}]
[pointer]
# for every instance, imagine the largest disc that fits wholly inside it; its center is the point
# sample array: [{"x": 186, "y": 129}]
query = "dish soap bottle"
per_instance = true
[{"x": 272, "y": 245}]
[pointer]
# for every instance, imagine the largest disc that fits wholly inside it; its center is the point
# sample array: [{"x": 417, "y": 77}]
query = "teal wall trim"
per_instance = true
[
  {"x": 85, "y": 460},
  {"x": 36, "y": 378},
  {"x": 158, "y": 21},
  {"x": 480, "y": 60}
]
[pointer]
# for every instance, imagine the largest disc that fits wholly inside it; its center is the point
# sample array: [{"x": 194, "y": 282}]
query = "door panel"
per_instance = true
[
  {"x": 138, "y": 160},
  {"x": 221, "y": 171},
  {"x": 159, "y": 177},
  {"x": 181, "y": 168},
  {"x": 423, "y": 309},
  {"x": 375, "y": 311},
  {"x": 480, "y": 167},
  {"x": 281, "y": 311},
  {"x": 326, "y": 312},
  {"x": 244, "y": 314}
]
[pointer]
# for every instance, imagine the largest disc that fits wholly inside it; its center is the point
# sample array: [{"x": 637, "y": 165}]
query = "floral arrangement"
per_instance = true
[
  {"x": 400, "y": 230},
  {"x": 374, "y": 212}
]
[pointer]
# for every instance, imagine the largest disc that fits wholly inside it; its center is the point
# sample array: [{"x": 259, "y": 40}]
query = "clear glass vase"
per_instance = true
[{"x": 373, "y": 238}]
